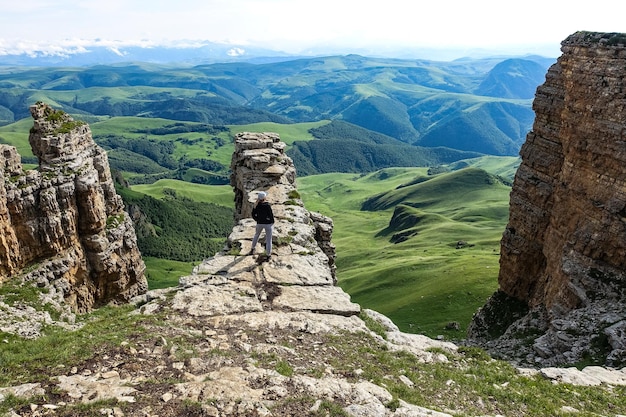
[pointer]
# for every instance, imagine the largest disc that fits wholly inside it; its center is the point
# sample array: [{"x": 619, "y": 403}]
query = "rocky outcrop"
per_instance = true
[
  {"x": 259, "y": 163},
  {"x": 259, "y": 306},
  {"x": 562, "y": 281},
  {"x": 300, "y": 277},
  {"x": 63, "y": 226}
]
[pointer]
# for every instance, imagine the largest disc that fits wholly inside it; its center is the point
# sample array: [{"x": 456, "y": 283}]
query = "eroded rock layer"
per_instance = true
[
  {"x": 63, "y": 225},
  {"x": 562, "y": 282}
]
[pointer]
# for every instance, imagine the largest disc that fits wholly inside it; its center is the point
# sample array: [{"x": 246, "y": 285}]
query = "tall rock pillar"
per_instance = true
[{"x": 65, "y": 221}]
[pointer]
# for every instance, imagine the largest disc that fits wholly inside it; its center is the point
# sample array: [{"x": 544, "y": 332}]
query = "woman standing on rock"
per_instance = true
[{"x": 264, "y": 216}]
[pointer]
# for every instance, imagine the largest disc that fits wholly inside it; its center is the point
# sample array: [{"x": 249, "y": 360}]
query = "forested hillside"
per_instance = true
[
  {"x": 343, "y": 147},
  {"x": 178, "y": 228}
]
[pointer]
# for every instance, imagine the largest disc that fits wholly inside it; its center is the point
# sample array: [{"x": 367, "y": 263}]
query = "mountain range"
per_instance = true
[
  {"x": 481, "y": 106},
  {"x": 107, "y": 53}
]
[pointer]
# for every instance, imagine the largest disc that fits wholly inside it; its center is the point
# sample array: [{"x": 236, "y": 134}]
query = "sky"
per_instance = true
[{"x": 300, "y": 27}]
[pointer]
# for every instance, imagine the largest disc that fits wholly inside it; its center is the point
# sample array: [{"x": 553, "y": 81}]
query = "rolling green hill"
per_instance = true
[
  {"x": 344, "y": 147},
  {"x": 513, "y": 78},
  {"x": 469, "y": 105},
  {"x": 492, "y": 128},
  {"x": 340, "y": 155},
  {"x": 425, "y": 252}
]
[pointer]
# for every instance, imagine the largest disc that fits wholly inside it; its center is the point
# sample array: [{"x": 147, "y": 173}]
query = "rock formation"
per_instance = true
[
  {"x": 301, "y": 274},
  {"x": 241, "y": 336},
  {"x": 259, "y": 163},
  {"x": 63, "y": 225},
  {"x": 562, "y": 281},
  {"x": 292, "y": 295}
]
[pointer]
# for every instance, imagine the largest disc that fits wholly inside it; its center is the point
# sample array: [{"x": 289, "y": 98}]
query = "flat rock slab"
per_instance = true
[
  {"x": 328, "y": 300},
  {"x": 228, "y": 382},
  {"x": 213, "y": 300},
  {"x": 589, "y": 376},
  {"x": 299, "y": 270},
  {"x": 97, "y": 387},
  {"x": 296, "y": 321}
]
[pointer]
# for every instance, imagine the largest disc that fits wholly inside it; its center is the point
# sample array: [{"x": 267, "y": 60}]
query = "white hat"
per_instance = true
[{"x": 261, "y": 195}]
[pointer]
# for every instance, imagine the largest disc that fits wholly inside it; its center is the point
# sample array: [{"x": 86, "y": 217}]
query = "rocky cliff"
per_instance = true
[
  {"x": 562, "y": 281},
  {"x": 63, "y": 226},
  {"x": 243, "y": 336}
]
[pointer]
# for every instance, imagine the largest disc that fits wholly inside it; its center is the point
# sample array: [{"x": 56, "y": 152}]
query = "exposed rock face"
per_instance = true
[
  {"x": 65, "y": 222},
  {"x": 562, "y": 294}
]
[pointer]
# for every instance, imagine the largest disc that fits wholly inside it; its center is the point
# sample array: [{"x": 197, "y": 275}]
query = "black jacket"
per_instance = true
[{"x": 262, "y": 213}]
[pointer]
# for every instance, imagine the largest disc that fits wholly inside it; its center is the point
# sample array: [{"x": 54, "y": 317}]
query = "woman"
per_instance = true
[{"x": 262, "y": 213}]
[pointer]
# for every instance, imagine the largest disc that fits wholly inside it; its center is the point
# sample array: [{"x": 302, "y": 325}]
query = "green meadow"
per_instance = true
[
  {"x": 164, "y": 273},
  {"x": 222, "y": 195},
  {"x": 16, "y": 134},
  {"x": 444, "y": 265},
  {"x": 289, "y": 133}
]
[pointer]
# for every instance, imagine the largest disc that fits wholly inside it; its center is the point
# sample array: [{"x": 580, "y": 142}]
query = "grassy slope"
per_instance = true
[
  {"x": 164, "y": 273},
  {"x": 124, "y": 126},
  {"x": 16, "y": 134},
  {"x": 222, "y": 194},
  {"x": 425, "y": 282},
  {"x": 288, "y": 133},
  {"x": 127, "y": 126}
]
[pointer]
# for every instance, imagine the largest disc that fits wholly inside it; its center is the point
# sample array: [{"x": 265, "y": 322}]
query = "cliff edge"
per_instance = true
[
  {"x": 63, "y": 226},
  {"x": 562, "y": 280},
  {"x": 243, "y": 336}
]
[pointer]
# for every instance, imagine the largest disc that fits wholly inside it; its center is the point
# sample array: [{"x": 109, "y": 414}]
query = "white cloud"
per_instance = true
[{"x": 236, "y": 52}]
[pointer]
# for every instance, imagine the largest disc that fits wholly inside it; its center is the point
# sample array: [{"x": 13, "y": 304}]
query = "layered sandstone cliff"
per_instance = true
[
  {"x": 63, "y": 225},
  {"x": 562, "y": 282}
]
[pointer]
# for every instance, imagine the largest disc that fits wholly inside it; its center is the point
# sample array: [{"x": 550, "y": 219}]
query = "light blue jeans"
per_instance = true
[{"x": 268, "y": 237}]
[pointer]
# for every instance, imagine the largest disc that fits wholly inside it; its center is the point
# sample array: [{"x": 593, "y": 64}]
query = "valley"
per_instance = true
[{"x": 413, "y": 160}]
